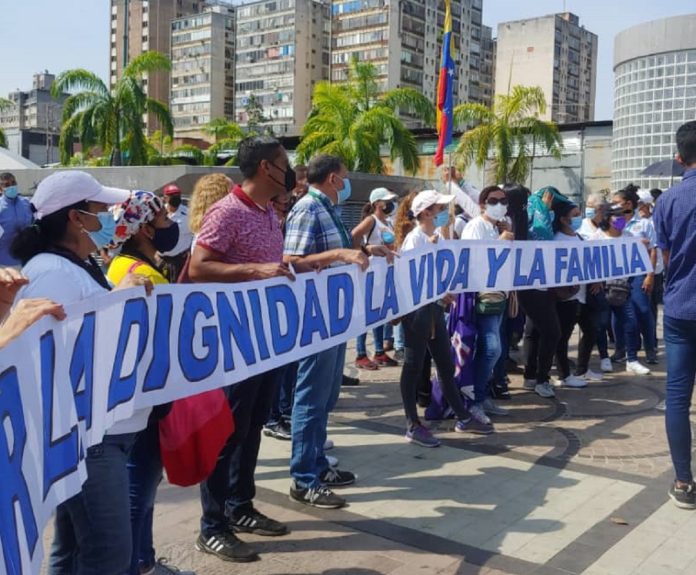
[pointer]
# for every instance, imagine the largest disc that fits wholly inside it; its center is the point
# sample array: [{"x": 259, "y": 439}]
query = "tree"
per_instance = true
[
  {"x": 509, "y": 129},
  {"x": 223, "y": 129},
  {"x": 111, "y": 120},
  {"x": 255, "y": 117},
  {"x": 5, "y": 104},
  {"x": 353, "y": 120}
]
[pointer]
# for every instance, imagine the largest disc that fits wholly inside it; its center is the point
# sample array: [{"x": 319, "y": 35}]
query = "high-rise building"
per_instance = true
[
  {"x": 482, "y": 66},
  {"x": 202, "y": 76},
  {"x": 141, "y": 25},
  {"x": 32, "y": 124},
  {"x": 555, "y": 53},
  {"x": 654, "y": 94},
  {"x": 402, "y": 38},
  {"x": 282, "y": 50}
]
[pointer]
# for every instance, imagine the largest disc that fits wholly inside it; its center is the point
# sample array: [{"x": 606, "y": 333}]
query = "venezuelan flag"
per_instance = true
[{"x": 445, "y": 85}]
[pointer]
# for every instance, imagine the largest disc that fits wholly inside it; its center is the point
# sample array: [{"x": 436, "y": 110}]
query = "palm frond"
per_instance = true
[
  {"x": 146, "y": 63},
  {"x": 78, "y": 80},
  {"x": 410, "y": 101}
]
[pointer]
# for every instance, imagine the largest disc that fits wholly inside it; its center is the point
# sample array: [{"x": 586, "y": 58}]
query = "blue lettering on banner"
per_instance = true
[
  {"x": 372, "y": 314},
  {"x": 605, "y": 261},
  {"x": 14, "y": 491},
  {"x": 258, "y": 323},
  {"x": 417, "y": 278},
  {"x": 460, "y": 281},
  {"x": 624, "y": 255},
  {"x": 339, "y": 284},
  {"x": 561, "y": 263},
  {"x": 519, "y": 280},
  {"x": 495, "y": 262},
  {"x": 592, "y": 260},
  {"x": 616, "y": 271},
  {"x": 391, "y": 298},
  {"x": 444, "y": 264},
  {"x": 197, "y": 368},
  {"x": 233, "y": 325},
  {"x": 637, "y": 264},
  {"x": 574, "y": 267},
  {"x": 158, "y": 370},
  {"x": 538, "y": 271},
  {"x": 430, "y": 260},
  {"x": 122, "y": 388},
  {"x": 282, "y": 295},
  {"x": 60, "y": 456},
  {"x": 313, "y": 318},
  {"x": 82, "y": 368}
]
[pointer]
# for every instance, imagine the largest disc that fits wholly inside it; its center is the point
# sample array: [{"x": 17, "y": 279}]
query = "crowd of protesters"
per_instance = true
[{"x": 281, "y": 221}]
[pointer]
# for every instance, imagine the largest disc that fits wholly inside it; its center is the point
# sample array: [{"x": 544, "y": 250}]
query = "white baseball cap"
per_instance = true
[
  {"x": 644, "y": 197},
  {"x": 382, "y": 194},
  {"x": 428, "y": 198},
  {"x": 63, "y": 189}
]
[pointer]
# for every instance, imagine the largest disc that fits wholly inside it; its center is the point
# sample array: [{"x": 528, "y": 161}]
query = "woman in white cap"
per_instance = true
[
  {"x": 425, "y": 329},
  {"x": 375, "y": 230},
  {"x": 92, "y": 529}
]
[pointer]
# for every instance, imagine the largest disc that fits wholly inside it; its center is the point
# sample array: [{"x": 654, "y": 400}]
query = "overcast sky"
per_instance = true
[{"x": 60, "y": 34}]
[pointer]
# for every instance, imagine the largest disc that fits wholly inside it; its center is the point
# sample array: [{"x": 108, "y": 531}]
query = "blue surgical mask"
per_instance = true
[
  {"x": 590, "y": 213},
  {"x": 11, "y": 192},
  {"x": 576, "y": 223},
  {"x": 441, "y": 219},
  {"x": 105, "y": 235},
  {"x": 344, "y": 193}
]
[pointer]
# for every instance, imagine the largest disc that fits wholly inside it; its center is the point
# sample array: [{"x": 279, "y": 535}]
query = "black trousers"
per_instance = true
[
  {"x": 542, "y": 332},
  {"x": 567, "y": 318}
]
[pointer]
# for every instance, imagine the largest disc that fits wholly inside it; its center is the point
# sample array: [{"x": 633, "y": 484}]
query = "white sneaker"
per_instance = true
[
  {"x": 328, "y": 444},
  {"x": 333, "y": 461},
  {"x": 606, "y": 365},
  {"x": 544, "y": 390},
  {"x": 637, "y": 368},
  {"x": 477, "y": 412},
  {"x": 574, "y": 381},
  {"x": 529, "y": 383},
  {"x": 590, "y": 375}
]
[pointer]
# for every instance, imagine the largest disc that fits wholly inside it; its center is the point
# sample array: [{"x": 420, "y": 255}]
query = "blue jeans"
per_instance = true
[
  {"x": 93, "y": 528},
  {"x": 680, "y": 342},
  {"x": 632, "y": 319},
  {"x": 500, "y": 367},
  {"x": 625, "y": 326},
  {"x": 388, "y": 332},
  {"x": 318, "y": 385},
  {"x": 645, "y": 318},
  {"x": 145, "y": 473},
  {"x": 230, "y": 489},
  {"x": 486, "y": 352},
  {"x": 399, "y": 339},
  {"x": 281, "y": 410},
  {"x": 377, "y": 336}
]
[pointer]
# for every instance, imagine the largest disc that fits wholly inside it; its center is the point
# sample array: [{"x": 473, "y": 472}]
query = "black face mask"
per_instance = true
[
  {"x": 388, "y": 208},
  {"x": 290, "y": 177},
  {"x": 165, "y": 239},
  {"x": 174, "y": 201}
]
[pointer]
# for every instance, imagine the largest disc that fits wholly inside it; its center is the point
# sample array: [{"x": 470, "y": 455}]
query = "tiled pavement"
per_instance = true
[{"x": 571, "y": 486}]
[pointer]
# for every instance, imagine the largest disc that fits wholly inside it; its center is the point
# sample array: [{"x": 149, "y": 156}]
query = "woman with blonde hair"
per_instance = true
[{"x": 208, "y": 190}]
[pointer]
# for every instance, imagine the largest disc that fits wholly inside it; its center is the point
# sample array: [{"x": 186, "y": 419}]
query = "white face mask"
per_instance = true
[{"x": 496, "y": 212}]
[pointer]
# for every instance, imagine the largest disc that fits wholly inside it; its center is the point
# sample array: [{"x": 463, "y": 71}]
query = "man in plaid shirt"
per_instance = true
[{"x": 316, "y": 238}]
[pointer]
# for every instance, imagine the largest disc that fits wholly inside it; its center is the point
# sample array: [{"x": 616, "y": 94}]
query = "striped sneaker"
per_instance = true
[
  {"x": 227, "y": 547},
  {"x": 257, "y": 522}
]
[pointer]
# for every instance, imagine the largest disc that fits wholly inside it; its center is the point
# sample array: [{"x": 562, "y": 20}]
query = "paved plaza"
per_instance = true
[{"x": 576, "y": 485}]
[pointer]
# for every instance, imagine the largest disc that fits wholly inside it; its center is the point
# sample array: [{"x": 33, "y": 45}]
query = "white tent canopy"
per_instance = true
[{"x": 9, "y": 161}]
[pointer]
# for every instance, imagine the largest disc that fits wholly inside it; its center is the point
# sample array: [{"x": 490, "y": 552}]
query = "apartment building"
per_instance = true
[
  {"x": 556, "y": 53},
  {"x": 202, "y": 75}
]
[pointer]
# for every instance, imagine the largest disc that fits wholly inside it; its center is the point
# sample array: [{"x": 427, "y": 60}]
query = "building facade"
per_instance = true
[
  {"x": 32, "y": 124},
  {"x": 141, "y": 25},
  {"x": 202, "y": 75},
  {"x": 654, "y": 94},
  {"x": 555, "y": 53},
  {"x": 282, "y": 51}
]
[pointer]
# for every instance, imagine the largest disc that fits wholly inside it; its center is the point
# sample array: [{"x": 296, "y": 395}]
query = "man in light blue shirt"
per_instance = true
[{"x": 15, "y": 215}]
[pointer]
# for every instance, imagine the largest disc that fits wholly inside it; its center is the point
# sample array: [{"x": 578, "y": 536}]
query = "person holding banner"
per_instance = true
[
  {"x": 92, "y": 529},
  {"x": 240, "y": 240},
  {"x": 491, "y": 307},
  {"x": 317, "y": 238}
]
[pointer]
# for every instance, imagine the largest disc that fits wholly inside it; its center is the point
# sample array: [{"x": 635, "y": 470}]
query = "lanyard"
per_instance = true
[{"x": 345, "y": 237}]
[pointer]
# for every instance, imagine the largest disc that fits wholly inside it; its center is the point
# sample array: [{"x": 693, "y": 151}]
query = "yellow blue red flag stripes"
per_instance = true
[{"x": 445, "y": 85}]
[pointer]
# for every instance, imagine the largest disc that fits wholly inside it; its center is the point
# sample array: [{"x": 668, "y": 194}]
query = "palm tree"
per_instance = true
[
  {"x": 353, "y": 120},
  {"x": 223, "y": 129},
  {"x": 111, "y": 120},
  {"x": 5, "y": 104},
  {"x": 508, "y": 129}
]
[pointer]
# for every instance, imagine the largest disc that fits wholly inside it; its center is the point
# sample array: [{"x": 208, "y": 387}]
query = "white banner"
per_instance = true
[{"x": 62, "y": 384}]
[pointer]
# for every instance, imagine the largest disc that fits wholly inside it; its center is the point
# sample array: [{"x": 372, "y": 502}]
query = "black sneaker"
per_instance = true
[
  {"x": 399, "y": 355},
  {"x": 257, "y": 522},
  {"x": 334, "y": 477},
  {"x": 683, "y": 497},
  {"x": 227, "y": 547},
  {"x": 280, "y": 430},
  {"x": 321, "y": 497},
  {"x": 349, "y": 381}
]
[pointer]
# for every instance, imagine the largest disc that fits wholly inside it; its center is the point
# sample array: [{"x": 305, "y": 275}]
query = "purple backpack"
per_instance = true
[{"x": 462, "y": 328}]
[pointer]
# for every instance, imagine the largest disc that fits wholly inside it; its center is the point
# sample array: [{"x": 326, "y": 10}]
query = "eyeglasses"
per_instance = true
[{"x": 496, "y": 201}]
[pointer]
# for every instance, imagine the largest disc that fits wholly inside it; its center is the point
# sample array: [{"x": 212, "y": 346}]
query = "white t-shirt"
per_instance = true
[
  {"x": 480, "y": 229},
  {"x": 581, "y": 296},
  {"x": 587, "y": 229},
  {"x": 58, "y": 279},
  {"x": 415, "y": 239}
]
